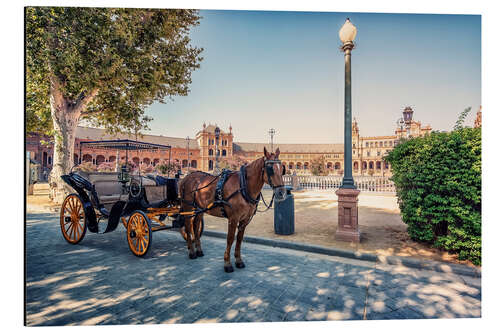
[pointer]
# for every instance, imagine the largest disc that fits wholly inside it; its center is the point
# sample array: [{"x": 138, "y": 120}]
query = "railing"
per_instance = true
[{"x": 363, "y": 183}]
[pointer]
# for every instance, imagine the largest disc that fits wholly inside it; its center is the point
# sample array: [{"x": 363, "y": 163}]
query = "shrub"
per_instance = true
[
  {"x": 318, "y": 166},
  {"x": 438, "y": 184},
  {"x": 233, "y": 163},
  {"x": 86, "y": 167},
  {"x": 106, "y": 167},
  {"x": 165, "y": 167}
]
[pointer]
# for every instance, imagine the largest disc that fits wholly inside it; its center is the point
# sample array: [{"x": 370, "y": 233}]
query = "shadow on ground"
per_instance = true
[{"x": 99, "y": 281}]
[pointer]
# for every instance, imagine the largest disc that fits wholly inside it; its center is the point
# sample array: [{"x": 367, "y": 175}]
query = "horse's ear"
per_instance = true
[
  {"x": 277, "y": 153},
  {"x": 284, "y": 169},
  {"x": 266, "y": 153}
]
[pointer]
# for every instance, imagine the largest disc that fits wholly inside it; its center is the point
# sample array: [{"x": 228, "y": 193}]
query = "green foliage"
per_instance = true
[
  {"x": 166, "y": 168},
  {"x": 461, "y": 119},
  {"x": 438, "y": 183},
  {"x": 233, "y": 163},
  {"x": 318, "y": 166},
  {"x": 130, "y": 57}
]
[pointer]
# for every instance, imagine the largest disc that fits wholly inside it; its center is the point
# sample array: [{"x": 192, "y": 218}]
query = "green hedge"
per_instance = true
[{"x": 438, "y": 183}]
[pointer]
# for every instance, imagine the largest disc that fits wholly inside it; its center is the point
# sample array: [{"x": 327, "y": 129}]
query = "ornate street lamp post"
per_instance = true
[
  {"x": 271, "y": 133},
  {"x": 347, "y": 194},
  {"x": 217, "y": 135}
]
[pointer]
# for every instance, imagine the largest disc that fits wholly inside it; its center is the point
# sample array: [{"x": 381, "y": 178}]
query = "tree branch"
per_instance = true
[{"x": 84, "y": 99}]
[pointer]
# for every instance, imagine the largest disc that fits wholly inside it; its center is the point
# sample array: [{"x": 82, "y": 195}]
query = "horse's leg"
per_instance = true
[
  {"x": 231, "y": 229},
  {"x": 197, "y": 235},
  {"x": 237, "y": 249},
  {"x": 189, "y": 221}
]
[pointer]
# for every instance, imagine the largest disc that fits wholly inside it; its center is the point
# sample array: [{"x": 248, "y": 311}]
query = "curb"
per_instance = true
[{"x": 429, "y": 265}]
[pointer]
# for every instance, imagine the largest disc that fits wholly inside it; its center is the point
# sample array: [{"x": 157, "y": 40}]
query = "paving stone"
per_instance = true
[{"x": 99, "y": 282}]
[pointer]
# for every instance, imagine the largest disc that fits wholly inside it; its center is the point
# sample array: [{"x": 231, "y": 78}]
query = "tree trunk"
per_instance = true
[
  {"x": 64, "y": 121},
  {"x": 65, "y": 115}
]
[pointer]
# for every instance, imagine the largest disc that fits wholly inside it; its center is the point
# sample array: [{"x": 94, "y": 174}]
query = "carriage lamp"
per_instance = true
[
  {"x": 347, "y": 194},
  {"x": 124, "y": 175}
]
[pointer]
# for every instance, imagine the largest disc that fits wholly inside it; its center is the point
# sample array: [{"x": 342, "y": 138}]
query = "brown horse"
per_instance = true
[{"x": 197, "y": 191}]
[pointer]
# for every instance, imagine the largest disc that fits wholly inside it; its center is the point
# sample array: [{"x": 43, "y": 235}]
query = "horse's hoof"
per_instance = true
[
  {"x": 240, "y": 264},
  {"x": 228, "y": 269},
  {"x": 192, "y": 256},
  {"x": 199, "y": 253}
]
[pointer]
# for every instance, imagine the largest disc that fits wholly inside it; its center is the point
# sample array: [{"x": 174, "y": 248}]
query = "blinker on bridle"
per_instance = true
[{"x": 269, "y": 167}]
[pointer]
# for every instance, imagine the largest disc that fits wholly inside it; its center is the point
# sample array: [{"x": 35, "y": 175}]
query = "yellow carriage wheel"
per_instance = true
[
  {"x": 139, "y": 234},
  {"x": 72, "y": 219}
]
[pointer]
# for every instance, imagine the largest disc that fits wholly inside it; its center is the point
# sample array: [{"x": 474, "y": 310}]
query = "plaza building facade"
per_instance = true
[{"x": 202, "y": 151}]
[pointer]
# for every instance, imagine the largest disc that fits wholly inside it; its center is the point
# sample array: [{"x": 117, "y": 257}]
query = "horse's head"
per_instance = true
[{"x": 273, "y": 172}]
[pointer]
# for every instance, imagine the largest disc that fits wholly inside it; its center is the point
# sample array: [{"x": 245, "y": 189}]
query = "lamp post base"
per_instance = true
[{"x": 348, "y": 229}]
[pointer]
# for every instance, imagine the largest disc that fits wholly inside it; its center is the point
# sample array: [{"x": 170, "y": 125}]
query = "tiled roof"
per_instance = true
[
  {"x": 291, "y": 147},
  {"x": 89, "y": 133}
]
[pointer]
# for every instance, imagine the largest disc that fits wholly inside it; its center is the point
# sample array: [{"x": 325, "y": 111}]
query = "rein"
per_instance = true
[{"x": 265, "y": 204}]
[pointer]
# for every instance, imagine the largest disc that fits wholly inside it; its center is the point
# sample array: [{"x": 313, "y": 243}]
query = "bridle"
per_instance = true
[{"x": 269, "y": 170}]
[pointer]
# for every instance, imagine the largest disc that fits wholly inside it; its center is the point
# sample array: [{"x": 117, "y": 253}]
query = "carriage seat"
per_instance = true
[
  {"x": 161, "y": 188},
  {"x": 107, "y": 186}
]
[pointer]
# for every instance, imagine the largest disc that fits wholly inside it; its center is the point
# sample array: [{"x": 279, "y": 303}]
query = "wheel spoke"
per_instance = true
[
  {"x": 72, "y": 228},
  {"x": 137, "y": 245},
  {"x": 70, "y": 203},
  {"x": 77, "y": 230}
]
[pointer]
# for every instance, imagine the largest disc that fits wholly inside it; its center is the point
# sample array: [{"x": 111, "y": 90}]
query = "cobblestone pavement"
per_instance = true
[{"x": 99, "y": 281}]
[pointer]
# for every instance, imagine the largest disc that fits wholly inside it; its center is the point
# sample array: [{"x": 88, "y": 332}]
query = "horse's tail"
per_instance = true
[{"x": 182, "y": 185}]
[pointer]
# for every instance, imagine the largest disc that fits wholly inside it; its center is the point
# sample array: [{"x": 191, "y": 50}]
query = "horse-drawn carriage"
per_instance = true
[{"x": 142, "y": 203}]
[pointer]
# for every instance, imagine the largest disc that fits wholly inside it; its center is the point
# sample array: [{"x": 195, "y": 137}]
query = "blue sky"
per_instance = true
[{"x": 264, "y": 69}]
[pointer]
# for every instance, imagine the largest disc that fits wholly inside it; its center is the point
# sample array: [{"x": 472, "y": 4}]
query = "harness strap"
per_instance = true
[
  {"x": 244, "y": 187},
  {"x": 219, "y": 191}
]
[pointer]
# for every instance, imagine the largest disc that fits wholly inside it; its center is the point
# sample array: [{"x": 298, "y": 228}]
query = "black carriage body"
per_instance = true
[{"x": 87, "y": 191}]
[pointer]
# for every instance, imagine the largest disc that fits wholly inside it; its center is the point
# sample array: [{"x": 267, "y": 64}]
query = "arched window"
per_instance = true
[
  {"x": 386, "y": 164},
  {"x": 379, "y": 165},
  {"x": 194, "y": 164},
  {"x": 364, "y": 165},
  {"x": 99, "y": 159},
  {"x": 356, "y": 166},
  {"x": 329, "y": 165},
  {"x": 146, "y": 161},
  {"x": 112, "y": 158},
  {"x": 184, "y": 163},
  {"x": 210, "y": 152},
  {"x": 223, "y": 152},
  {"x": 210, "y": 165},
  {"x": 50, "y": 160},
  {"x": 371, "y": 165},
  {"x": 299, "y": 166},
  {"x": 136, "y": 160},
  {"x": 156, "y": 161},
  {"x": 87, "y": 158},
  {"x": 337, "y": 166},
  {"x": 306, "y": 165}
]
